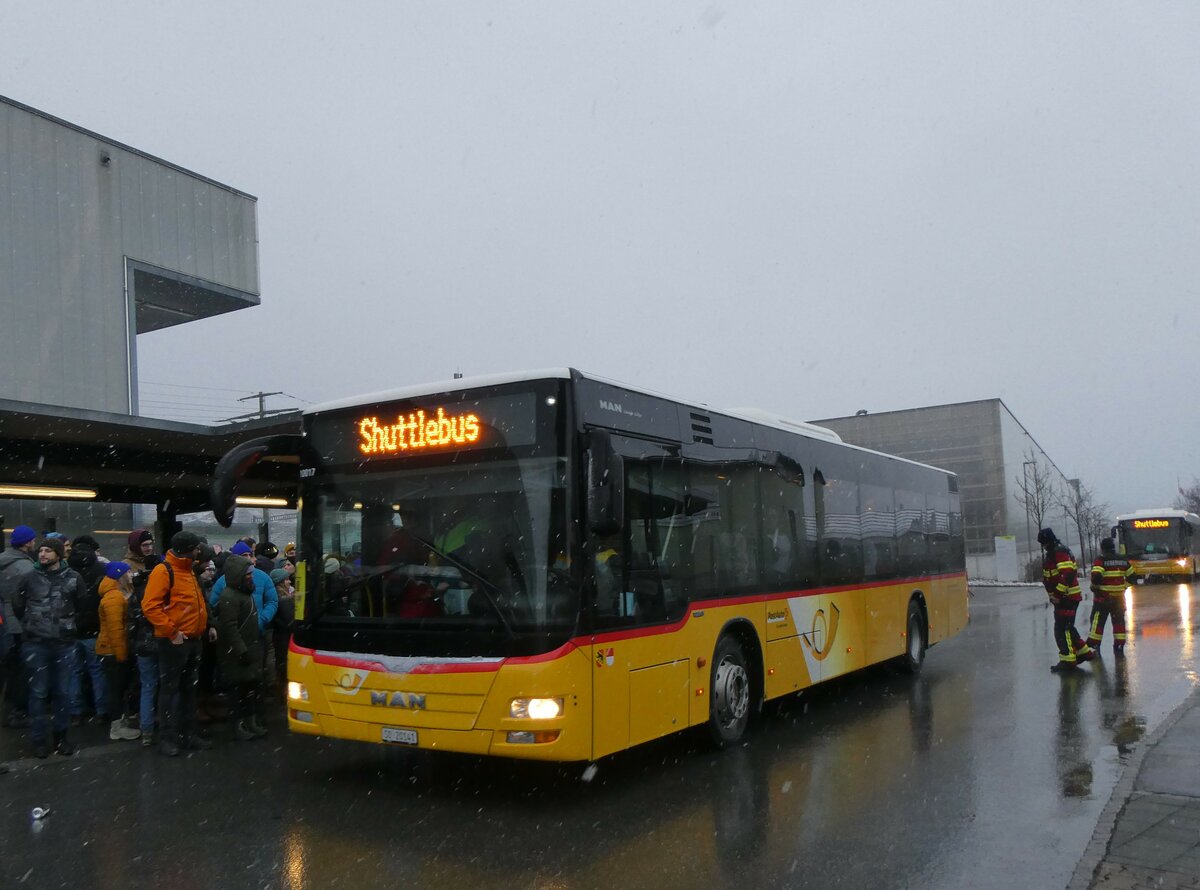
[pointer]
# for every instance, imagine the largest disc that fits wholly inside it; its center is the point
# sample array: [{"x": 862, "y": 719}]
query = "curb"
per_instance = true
[{"x": 1097, "y": 848}]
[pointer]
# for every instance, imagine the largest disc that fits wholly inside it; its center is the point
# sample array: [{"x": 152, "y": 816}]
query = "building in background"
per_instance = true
[
  {"x": 993, "y": 455},
  {"x": 103, "y": 242}
]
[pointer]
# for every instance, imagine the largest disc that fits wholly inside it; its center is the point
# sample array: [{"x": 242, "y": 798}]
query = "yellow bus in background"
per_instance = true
[
  {"x": 553, "y": 566},
  {"x": 1162, "y": 543}
]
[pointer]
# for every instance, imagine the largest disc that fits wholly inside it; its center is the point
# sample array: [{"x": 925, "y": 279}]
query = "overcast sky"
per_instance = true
[{"x": 808, "y": 207}]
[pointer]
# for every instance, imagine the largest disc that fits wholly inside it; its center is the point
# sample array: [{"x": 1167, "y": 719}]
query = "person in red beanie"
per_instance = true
[{"x": 140, "y": 553}]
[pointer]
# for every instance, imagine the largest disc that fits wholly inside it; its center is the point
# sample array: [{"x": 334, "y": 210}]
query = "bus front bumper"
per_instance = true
[
  {"x": 1165, "y": 569},
  {"x": 556, "y": 745}
]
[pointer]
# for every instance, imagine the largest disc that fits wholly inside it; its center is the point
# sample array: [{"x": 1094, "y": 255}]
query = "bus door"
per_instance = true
[{"x": 641, "y": 685}]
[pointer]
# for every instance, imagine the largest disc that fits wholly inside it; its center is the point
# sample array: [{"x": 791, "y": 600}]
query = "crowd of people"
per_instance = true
[{"x": 153, "y": 645}]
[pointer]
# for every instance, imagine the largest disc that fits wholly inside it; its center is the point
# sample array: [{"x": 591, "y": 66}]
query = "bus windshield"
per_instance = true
[
  {"x": 453, "y": 548},
  {"x": 1161, "y": 537}
]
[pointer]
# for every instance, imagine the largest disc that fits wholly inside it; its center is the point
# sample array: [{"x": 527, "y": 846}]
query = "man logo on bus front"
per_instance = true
[{"x": 410, "y": 700}]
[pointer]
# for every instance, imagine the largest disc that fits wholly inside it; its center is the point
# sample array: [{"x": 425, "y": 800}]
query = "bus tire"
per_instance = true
[
  {"x": 729, "y": 693},
  {"x": 914, "y": 639}
]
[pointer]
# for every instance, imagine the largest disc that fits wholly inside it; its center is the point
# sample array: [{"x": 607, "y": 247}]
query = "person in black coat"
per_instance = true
[
  {"x": 239, "y": 648},
  {"x": 88, "y": 683}
]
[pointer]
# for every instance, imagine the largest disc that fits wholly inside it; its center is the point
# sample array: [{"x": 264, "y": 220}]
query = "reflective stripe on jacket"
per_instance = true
[
  {"x": 1110, "y": 576},
  {"x": 1060, "y": 575}
]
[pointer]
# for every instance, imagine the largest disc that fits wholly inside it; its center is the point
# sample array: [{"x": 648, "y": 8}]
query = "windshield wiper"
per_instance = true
[
  {"x": 353, "y": 585},
  {"x": 488, "y": 588}
]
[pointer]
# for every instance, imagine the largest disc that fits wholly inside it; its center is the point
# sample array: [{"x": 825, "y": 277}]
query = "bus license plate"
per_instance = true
[{"x": 400, "y": 736}]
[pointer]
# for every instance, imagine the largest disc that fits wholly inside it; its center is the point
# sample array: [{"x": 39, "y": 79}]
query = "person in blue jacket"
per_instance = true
[{"x": 266, "y": 601}]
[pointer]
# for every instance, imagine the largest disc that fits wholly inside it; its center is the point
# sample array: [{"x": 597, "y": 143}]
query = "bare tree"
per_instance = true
[
  {"x": 1088, "y": 515},
  {"x": 1035, "y": 490},
  {"x": 1189, "y": 498},
  {"x": 1100, "y": 523}
]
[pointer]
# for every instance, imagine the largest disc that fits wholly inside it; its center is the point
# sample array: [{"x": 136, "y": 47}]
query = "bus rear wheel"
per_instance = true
[
  {"x": 729, "y": 698},
  {"x": 914, "y": 639}
]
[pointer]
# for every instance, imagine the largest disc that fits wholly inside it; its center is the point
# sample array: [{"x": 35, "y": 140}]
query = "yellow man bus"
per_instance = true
[
  {"x": 554, "y": 566},
  {"x": 1160, "y": 543}
]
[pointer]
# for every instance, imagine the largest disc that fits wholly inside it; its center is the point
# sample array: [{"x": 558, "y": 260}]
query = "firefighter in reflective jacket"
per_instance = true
[
  {"x": 1111, "y": 574},
  {"x": 1060, "y": 577}
]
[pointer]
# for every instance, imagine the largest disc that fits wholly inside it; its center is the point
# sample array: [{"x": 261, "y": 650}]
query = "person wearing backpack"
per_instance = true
[
  {"x": 86, "y": 563},
  {"x": 112, "y": 647},
  {"x": 175, "y": 605}
]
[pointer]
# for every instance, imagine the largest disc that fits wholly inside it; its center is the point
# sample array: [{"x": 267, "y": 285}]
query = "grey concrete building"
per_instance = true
[
  {"x": 100, "y": 242},
  {"x": 985, "y": 444}
]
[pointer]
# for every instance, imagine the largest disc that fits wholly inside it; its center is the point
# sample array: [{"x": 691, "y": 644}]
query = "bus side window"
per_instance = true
[
  {"x": 839, "y": 530},
  {"x": 912, "y": 542},
  {"x": 727, "y": 529},
  {"x": 878, "y": 520}
]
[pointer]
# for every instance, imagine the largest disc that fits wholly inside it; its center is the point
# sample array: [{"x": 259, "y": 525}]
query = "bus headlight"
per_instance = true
[
  {"x": 536, "y": 708},
  {"x": 1181, "y": 562},
  {"x": 297, "y": 691}
]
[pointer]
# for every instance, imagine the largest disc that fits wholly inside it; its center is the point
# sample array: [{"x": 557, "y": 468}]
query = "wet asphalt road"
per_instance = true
[{"x": 986, "y": 771}]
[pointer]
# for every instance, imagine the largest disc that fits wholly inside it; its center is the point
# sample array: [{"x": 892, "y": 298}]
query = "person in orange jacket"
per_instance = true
[
  {"x": 175, "y": 605},
  {"x": 112, "y": 648}
]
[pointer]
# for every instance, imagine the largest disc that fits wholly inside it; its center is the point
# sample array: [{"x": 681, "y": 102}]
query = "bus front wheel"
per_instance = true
[
  {"x": 729, "y": 698},
  {"x": 914, "y": 640}
]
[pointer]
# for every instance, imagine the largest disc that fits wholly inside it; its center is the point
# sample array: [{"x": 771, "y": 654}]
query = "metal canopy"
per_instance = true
[
  {"x": 132, "y": 460},
  {"x": 162, "y": 298}
]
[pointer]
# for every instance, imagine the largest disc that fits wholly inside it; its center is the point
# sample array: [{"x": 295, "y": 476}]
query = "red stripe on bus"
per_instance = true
[
  {"x": 457, "y": 667},
  {"x": 563, "y": 650},
  {"x": 452, "y": 667},
  {"x": 700, "y": 605},
  {"x": 466, "y": 667}
]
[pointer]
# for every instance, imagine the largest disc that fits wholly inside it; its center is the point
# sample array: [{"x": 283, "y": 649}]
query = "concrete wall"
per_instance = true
[
  {"x": 963, "y": 438},
  {"x": 75, "y": 209},
  {"x": 1020, "y": 446},
  {"x": 986, "y": 446}
]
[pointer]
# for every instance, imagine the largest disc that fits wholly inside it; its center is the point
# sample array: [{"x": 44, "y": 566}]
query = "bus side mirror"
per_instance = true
[
  {"x": 606, "y": 485},
  {"x": 237, "y": 462},
  {"x": 1112, "y": 532}
]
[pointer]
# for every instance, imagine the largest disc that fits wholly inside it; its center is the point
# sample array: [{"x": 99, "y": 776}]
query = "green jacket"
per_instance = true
[{"x": 239, "y": 649}]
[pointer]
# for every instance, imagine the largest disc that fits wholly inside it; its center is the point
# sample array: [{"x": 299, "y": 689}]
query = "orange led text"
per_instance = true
[
  {"x": 1151, "y": 523},
  {"x": 417, "y": 431}
]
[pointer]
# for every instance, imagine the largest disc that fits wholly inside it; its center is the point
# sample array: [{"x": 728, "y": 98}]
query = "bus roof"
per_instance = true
[
  {"x": 753, "y": 415},
  {"x": 421, "y": 389},
  {"x": 1161, "y": 513},
  {"x": 750, "y": 415}
]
